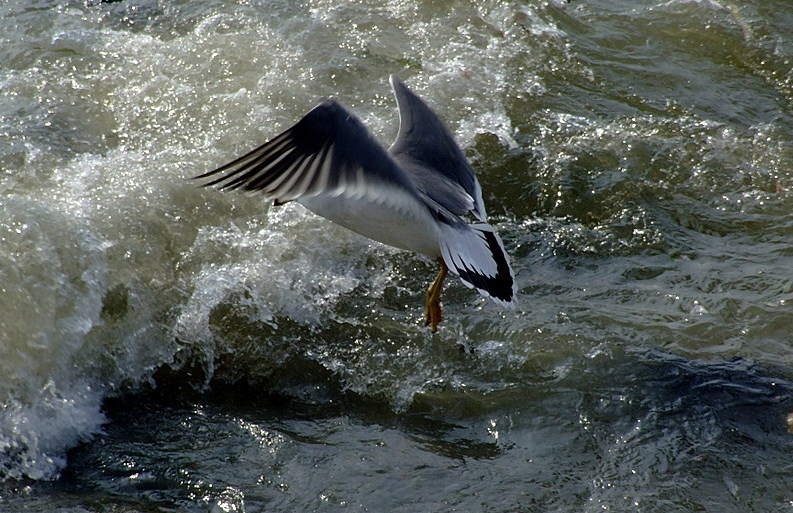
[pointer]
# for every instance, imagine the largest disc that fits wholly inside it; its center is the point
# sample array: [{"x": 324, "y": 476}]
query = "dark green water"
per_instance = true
[{"x": 168, "y": 348}]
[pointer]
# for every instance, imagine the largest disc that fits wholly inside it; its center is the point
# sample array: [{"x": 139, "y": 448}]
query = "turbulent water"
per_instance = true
[{"x": 170, "y": 348}]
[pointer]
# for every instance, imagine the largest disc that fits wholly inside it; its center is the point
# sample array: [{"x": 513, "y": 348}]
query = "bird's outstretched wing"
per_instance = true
[
  {"x": 427, "y": 152},
  {"x": 329, "y": 152},
  {"x": 437, "y": 166}
]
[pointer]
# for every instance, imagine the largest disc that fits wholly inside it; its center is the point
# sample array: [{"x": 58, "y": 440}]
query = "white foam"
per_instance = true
[
  {"x": 53, "y": 279},
  {"x": 36, "y": 428}
]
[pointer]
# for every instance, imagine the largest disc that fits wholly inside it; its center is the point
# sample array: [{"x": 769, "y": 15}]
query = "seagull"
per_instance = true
[{"x": 420, "y": 195}]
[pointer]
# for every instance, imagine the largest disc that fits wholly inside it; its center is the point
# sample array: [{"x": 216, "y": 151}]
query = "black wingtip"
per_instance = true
[
  {"x": 204, "y": 176},
  {"x": 502, "y": 286}
]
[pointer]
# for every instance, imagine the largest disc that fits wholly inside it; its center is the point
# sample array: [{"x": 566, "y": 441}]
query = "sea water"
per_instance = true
[{"x": 169, "y": 348}]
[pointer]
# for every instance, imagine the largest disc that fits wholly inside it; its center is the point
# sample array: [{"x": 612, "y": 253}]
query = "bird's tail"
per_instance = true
[{"x": 476, "y": 254}]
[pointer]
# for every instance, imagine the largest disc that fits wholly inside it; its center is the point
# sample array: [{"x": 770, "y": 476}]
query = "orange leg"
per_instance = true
[{"x": 434, "y": 298}]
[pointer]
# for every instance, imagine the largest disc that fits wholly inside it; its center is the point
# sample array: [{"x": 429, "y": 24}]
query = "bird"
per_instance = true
[{"x": 420, "y": 194}]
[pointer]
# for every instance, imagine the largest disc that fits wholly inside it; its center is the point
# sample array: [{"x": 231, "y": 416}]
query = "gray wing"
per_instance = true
[
  {"x": 428, "y": 154},
  {"x": 329, "y": 151}
]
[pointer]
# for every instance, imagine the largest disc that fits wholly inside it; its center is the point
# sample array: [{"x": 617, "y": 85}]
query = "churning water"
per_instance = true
[{"x": 168, "y": 348}]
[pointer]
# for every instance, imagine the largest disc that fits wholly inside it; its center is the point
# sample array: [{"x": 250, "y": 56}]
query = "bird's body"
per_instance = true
[
  {"x": 412, "y": 230},
  {"x": 415, "y": 196}
]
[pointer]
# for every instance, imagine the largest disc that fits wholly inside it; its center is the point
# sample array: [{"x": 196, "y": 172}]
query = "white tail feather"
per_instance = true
[{"x": 476, "y": 254}]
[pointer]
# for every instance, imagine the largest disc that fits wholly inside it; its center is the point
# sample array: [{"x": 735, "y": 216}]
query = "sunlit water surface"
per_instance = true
[{"x": 169, "y": 348}]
